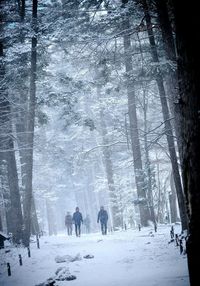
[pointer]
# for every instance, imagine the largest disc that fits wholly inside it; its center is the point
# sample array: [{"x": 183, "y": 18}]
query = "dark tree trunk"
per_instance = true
[
  {"x": 30, "y": 131},
  {"x": 21, "y": 124},
  {"x": 135, "y": 143},
  {"x": 171, "y": 77},
  {"x": 188, "y": 47},
  {"x": 166, "y": 117},
  {"x": 172, "y": 200},
  {"x": 16, "y": 211},
  {"x": 7, "y": 147},
  {"x": 22, "y": 4}
]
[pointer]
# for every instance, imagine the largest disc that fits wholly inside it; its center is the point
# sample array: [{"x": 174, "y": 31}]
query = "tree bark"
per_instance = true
[
  {"x": 188, "y": 47},
  {"x": 172, "y": 200}
]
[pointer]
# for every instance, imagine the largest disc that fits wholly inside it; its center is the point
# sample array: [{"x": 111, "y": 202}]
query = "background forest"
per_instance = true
[{"x": 90, "y": 114}]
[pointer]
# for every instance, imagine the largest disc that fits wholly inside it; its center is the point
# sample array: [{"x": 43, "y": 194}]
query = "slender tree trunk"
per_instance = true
[
  {"x": 91, "y": 198},
  {"x": 117, "y": 222},
  {"x": 166, "y": 117},
  {"x": 21, "y": 5},
  {"x": 148, "y": 163},
  {"x": 34, "y": 219},
  {"x": 172, "y": 200},
  {"x": 159, "y": 216},
  {"x": 188, "y": 47},
  {"x": 135, "y": 143},
  {"x": 50, "y": 218},
  {"x": 30, "y": 131}
]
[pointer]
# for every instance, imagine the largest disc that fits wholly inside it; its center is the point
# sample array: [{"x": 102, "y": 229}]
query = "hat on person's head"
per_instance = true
[{"x": 77, "y": 208}]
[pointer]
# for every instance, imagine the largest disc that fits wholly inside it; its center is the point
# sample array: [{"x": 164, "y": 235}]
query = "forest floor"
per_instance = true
[{"x": 129, "y": 258}]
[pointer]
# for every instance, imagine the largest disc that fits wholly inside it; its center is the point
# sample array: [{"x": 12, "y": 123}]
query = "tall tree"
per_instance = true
[
  {"x": 30, "y": 129},
  {"x": 134, "y": 134},
  {"x": 166, "y": 117},
  {"x": 102, "y": 75},
  {"x": 188, "y": 47},
  {"x": 149, "y": 177},
  {"x": 117, "y": 219}
]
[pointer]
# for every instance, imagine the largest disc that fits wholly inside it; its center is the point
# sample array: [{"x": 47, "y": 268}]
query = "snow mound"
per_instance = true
[{"x": 63, "y": 274}]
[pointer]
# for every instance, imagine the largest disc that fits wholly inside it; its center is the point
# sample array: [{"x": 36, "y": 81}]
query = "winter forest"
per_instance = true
[{"x": 99, "y": 106}]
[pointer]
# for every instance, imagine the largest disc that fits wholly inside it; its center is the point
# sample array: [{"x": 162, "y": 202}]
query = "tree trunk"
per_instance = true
[
  {"x": 7, "y": 146},
  {"x": 167, "y": 123},
  {"x": 172, "y": 200},
  {"x": 147, "y": 162},
  {"x": 188, "y": 47},
  {"x": 34, "y": 219},
  {"x": 135, "y": 143},
  {"x": 16, "y": 211},
  {"x": 3, "y": 209},
  {"x": 22, "y": 9},
  {"x": 30, "y": 131},
  {"x": 159, "y": 215},
  {"x": 171, "y": 77},
  {"x": 117, "y": 220},
  {"x": 50, "y": 218}
]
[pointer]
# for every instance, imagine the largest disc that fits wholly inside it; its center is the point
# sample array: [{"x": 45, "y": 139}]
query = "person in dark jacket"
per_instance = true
[
  {"x": 103, "y": 218},
  {"x": 77, "y": 220},
  {"x": 68, "y": 223}
]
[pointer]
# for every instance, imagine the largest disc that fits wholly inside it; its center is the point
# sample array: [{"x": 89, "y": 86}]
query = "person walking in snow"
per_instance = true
[
  {"x": 77, "y": 220},
  {"x": 103, "y": 218},
  {"x": 68, "y": 223}
]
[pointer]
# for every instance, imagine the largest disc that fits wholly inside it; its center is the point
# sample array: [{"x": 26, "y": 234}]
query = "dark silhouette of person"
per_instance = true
[
  {"x": 77, "y": 219},
  {"x": 103, "y": 218},
  {"x": 68, "y": 223}
]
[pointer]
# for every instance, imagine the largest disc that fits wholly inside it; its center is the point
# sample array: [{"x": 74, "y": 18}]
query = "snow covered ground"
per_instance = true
[{"x": 132, "y": 257}]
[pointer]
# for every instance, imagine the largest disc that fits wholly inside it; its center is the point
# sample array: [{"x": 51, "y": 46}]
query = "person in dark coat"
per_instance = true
[
  {"x": 103, "y": 218},
  {"x": 68, "y": 223},
  {"x": 77, "y": 220}
]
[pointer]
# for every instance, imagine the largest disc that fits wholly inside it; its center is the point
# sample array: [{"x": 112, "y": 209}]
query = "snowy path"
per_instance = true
[{"x": 123, "y": 258}]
